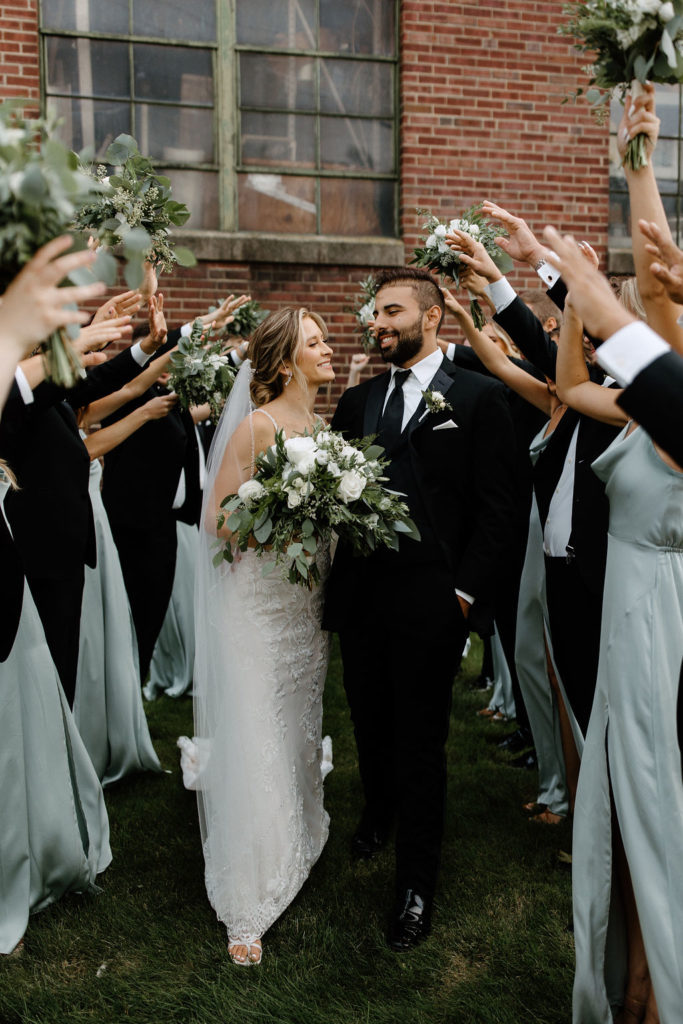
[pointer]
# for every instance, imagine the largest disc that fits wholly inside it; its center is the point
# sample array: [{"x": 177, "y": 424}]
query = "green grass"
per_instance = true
[{"x": 500, "y": 951}]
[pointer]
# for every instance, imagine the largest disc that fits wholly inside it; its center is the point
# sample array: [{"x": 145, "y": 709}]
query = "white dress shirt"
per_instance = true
[
  {"x": 629, "y": 351},
  {"x": 501, "y": 292}
]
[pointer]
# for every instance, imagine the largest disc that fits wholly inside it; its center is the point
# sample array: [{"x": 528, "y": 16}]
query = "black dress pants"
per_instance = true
[
  {"x": 575, "y": 618},
  {"x": 59, "y": 605},
  {"x": 399, "y": 664}
]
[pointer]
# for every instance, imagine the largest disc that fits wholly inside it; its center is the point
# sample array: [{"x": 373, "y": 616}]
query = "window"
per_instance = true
[
  {"x": 667, "y": 166},
  {"x": 268, "y": 117}
]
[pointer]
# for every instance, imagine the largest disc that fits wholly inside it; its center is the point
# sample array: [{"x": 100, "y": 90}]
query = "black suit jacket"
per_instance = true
[
  {"x": 465, "y": 476},
  {"x": 655, "y": 399},
  {"x": 50, "y": 515}
]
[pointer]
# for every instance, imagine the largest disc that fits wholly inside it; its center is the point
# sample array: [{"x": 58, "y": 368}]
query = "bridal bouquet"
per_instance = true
[
  {"x": 632, "y": 41},
  {"x": 436, "y": 254},
  {"x": 201, "y": 372},
  {"x": 364, "y": 312},
  {"x": 134, "y": 208},
  {"x": 246, "y": 318},
  {"x": 302, "y": 490},
  {"x": 41, "y": 187}
]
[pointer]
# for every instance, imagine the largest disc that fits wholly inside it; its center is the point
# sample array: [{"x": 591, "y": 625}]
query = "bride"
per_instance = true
[{"x": 261, "y": 661}]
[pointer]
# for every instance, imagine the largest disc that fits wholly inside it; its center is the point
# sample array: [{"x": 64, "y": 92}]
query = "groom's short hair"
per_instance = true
[{"x": 427, "y": 291}]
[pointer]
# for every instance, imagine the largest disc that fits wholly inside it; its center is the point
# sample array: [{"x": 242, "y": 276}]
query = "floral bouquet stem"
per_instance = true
[
  {"x": 62, "y": 363},
  {"x": 636, "y": 151},
  {"x": 476, "y": 312}
]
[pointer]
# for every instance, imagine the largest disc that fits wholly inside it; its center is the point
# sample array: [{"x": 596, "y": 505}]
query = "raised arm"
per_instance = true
[
  {"x": 103, "y": 407},
  {"x": 574, "y": 386},
  {"x": 102, "y": 441}
]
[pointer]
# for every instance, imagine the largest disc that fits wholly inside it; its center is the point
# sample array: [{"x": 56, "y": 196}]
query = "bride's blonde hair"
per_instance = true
[{"x": 276, "y": 340}]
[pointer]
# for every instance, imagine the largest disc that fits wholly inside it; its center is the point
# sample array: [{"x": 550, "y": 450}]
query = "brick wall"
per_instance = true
[{"x": 481, "y": 117}]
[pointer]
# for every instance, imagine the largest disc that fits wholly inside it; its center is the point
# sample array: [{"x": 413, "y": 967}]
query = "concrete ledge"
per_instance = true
[{"x": 245, "y": 247}]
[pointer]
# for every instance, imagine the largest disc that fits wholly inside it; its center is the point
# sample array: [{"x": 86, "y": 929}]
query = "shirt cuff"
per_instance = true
[
  {"x": 629, "y": 351},
  {"x": 186, "y": 330},
  {"x": 548, "y": 274},
  {"x": 450, "y": 350},
  {"x": 464, "y": 596},
  {"x": 234, "y": 357},
  {"x": 140, "y": 357},
  {"x": 24, "y": 386},
  {"x": 501, "y": 293}
]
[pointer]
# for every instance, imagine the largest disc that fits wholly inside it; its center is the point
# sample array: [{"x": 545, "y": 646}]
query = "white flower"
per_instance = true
[
  {"x": 440, "y": 231},
  {"x": 294, "y": 498},
  {"x": 351, "y": 485},
  {"x": 333, "y": 469},
  {"x": 645, "y": 7},
  {"x": 350, "y": 454},
  {"x": 217, "y": 361},
  {"x": 372, "y": 520},
  {"x": 456, "y": 225},
  {"x": 666, "y": 12},
  {"x": 301, "y": 453},
  {"x": 444, "y": 246},
  {"x": 366, "y": 313},
  {"x": 250, "y": 490},
  {"x": 473, "y": 230},
  {"x": 627, "y": 37},
  {"x": 432, "y": 242},
  {"x": 322, "y": 457}
]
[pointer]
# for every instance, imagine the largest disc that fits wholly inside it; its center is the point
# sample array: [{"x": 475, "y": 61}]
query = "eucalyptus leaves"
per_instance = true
[{"x": 201, "y": 372}]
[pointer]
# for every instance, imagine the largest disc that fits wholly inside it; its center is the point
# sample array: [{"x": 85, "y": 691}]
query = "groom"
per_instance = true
[{"x": 403, "y": 617}]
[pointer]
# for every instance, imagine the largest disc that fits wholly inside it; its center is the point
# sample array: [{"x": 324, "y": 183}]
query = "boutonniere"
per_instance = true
[{"x": 435, "y": 401}]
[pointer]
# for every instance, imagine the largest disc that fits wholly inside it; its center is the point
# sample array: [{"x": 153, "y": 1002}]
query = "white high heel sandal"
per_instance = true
[{"x": 245, "y": 952}]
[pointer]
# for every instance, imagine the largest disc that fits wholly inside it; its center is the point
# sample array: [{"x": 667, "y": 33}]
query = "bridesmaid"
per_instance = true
[{"x": 55, "y": 834}]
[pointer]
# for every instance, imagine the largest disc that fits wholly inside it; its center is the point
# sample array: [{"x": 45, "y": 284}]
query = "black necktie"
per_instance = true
[{"x": 391, "y": 423}]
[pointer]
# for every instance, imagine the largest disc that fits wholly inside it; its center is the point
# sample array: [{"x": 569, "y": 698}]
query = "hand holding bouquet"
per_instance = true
[
  {"x": 437, "y": 254},
  {"x": 633, "y": 41},
  {"x": 246, "y": 317},
  {"x": 305, "y": 487},
  {"x": 201, "y": 372}
]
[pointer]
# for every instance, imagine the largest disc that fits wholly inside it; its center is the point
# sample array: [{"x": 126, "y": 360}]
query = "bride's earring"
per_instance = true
[{"x": 289, "y": 378}]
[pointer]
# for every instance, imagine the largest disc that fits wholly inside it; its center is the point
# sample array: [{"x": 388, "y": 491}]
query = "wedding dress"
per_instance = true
[{"x": 256, "y": 760}]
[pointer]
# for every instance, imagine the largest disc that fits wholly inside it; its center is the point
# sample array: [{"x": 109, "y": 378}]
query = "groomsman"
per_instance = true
[{"x": 454, "y": 464}]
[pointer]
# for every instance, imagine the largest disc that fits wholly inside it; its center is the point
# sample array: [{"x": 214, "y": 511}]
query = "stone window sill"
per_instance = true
[{"x": 247, "y": 247}]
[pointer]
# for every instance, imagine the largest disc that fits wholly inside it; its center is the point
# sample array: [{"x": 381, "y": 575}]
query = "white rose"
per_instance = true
[
  {"x": 250, "y": 490},
  {"x": 351, "y": 485},
  {"x": 666, "y": 12},
  {"x": 333, "y": 469},
  {"x": 440, "y": 231},
  {"x": 301, "y": 453},
  {"x": 474, "y": 230},
  {"x": 293, "y": 497},
  {"x": 431, "y": 242},
  {"x": 351, "y": 454},
  {"x": 444, "y": 246},
  {"x": 455, "y": 225},
  {"x": 322, "y": 457}
]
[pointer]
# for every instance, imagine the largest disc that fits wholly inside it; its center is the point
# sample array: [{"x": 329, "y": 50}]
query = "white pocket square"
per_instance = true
[{"x": 448, "y": 425}]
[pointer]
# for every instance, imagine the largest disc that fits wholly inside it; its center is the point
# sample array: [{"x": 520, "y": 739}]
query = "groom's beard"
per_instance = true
[{"x": 407, "y": 343}]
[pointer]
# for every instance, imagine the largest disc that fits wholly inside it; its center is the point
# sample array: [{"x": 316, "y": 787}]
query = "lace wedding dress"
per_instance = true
[{"x": 256, "y": 760}]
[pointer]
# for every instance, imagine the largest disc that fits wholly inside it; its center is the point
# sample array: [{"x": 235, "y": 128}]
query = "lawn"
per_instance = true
[{"x": 148, "y": 949}]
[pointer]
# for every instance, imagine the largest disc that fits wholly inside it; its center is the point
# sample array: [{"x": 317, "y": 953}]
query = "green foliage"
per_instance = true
[
  {"x": 134, "y": 208},
  {"x": 201, "y": 372},
  {"x": 246, "y": 318},
  {"x": 364, "y": 311}
]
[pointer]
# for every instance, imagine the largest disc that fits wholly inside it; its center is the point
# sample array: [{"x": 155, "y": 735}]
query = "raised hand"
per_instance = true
[
  {"x": 452, "y": 304},
  {"x": 224, "y": 315},
  {"x": 473, "y": 254},
  {"x": 592, "y": 296},
  {"x": 638, "y": 118},
  {"x": 98, "y": 335},
  {"x": 33, "y": 307},
  {"x": 521, "y": 243},
  {"x": 158, "y": 329},
  {"x": 160, "y": 406},
  {"x": 125, "y": 304},
  {"x": 668, "y": 265}
]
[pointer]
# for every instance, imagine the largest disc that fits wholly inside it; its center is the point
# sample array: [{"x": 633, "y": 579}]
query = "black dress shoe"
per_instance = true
[
  {"x": 411, "y": 922},
  {"x": 367, "y": 842},
  {"x": 520, "y": 740}
]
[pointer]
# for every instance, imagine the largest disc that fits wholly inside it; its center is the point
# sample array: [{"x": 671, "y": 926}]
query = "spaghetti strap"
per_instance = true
[{"x": 268, "y": 415}]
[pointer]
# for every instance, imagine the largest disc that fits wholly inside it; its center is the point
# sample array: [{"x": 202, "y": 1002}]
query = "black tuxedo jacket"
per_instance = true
[
  {"x": 465, "y": 476},
  {"x": 50, "y": 515},
  {"x": 655, "y": 399},
  {"x": 141, "y": 474}
]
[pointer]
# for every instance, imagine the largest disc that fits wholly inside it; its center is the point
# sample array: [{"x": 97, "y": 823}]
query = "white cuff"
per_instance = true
[
  {"x": 548, "y": 274},
  {"x": 464, "y": 596},
  {"x": 186, "y": 330},
  {"x": 140, "y": 357},
  {"x": 234, "y": 357},
  {"x": 630, "y": 350},
  {"x": 450, "y": 350},
  {"x": 24, "y": 386},
  {"x": 501, "y": 293},
  {"x": 181, "y": 491}
]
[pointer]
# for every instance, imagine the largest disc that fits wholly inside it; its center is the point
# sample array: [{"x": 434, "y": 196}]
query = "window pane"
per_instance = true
[
  {"x": 87, "y": 67},
  {"x": 356, "y": 207},
  {"x": 94, "y": 123},
  {"x": 181, "y": 135},
  {"x": 357, "y": 145},
  {"x": 176, "y": 19},
  {"x": 199, "y": 191},
  {"x": 284, "y": 82},
  {"x": 273, "y": 203},
  {"x": 358, "y": 26},
  {"x": 285, "y": 24},
  {"x": 278, "y": 139},
  {"x": 356, "y": 87},
  {"x": 667, "y": 101},
  {"x": 665, "y": 164},
  {"x": 177, "y": 74},
  {"x": 88, "y": 16}
]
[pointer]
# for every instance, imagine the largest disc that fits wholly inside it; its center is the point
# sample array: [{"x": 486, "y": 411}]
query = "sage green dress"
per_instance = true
[
  {"x": 632, "y": 741},
  {"x": 173, "y": 660},
  {"x": 108, "y": 708},
  {"x": 54, "y": 834}
]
